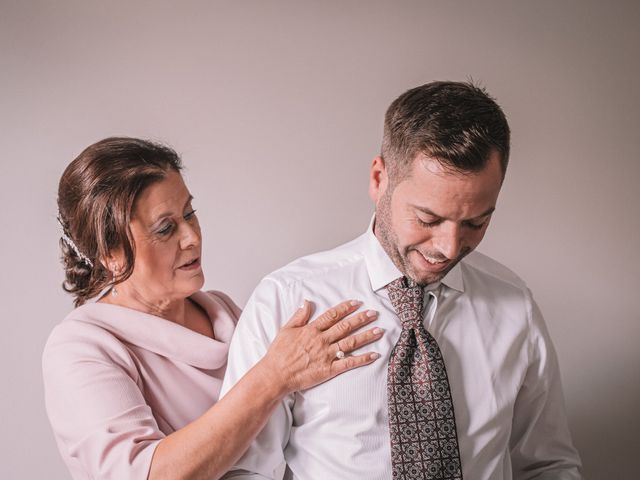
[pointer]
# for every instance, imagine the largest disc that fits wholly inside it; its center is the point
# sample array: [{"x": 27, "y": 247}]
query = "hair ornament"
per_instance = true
[{"x": 66, "y": 239}]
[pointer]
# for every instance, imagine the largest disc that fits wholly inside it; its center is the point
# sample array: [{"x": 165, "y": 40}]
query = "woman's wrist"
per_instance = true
[{"x": 269, "y": 380}]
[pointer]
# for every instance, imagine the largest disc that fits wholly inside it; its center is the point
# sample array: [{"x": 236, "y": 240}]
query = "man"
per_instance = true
[{"x": 468, "y": 382}]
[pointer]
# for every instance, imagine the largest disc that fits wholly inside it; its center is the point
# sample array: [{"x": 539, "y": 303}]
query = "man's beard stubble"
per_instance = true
[{"x": 383, "y": 231}]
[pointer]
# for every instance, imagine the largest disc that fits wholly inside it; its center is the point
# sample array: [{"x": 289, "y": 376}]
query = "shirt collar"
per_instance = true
[{"x": 383, "y": 271}]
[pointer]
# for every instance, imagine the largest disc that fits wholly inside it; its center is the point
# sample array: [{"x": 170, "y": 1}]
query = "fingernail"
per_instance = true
[
  {"x": 374, "y": 356},
  {"x": 355, "y": 303},
  {"x": 377, "y": 331},
  {"x": 304, "y": 304},
  {"x": 371, "y": 313}
]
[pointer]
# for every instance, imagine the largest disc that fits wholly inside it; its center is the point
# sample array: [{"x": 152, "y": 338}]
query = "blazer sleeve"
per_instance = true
[{"x": 95, "y": 404}]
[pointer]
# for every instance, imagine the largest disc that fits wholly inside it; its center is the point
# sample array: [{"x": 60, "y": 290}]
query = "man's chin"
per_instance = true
[{"x": 425, "y": 278}]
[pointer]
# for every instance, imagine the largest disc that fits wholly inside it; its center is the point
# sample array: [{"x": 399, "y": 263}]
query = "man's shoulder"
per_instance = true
[
  {"x": 491, "y": 271},
  {"x": 320, "y": 265}
]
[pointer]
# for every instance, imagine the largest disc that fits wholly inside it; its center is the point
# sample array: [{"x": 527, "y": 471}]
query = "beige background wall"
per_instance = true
[{"x": 277, "y": 110}]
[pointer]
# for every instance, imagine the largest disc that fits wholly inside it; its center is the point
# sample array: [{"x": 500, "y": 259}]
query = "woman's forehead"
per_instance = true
[{"x": 164, "y": 197}]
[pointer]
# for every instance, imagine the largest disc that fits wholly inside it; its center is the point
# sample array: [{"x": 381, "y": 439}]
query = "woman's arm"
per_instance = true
[{"x": 301, "y": 356}]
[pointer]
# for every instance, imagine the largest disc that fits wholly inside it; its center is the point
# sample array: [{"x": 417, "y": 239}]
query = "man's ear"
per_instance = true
[{"x": 378, "y": 179}]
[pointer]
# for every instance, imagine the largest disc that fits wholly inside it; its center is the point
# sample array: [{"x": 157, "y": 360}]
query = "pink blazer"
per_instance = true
[{"x": 117, "y": 381}]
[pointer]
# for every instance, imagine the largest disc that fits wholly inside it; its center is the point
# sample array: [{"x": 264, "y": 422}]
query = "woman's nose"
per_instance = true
[{"x": 189, "y": 235}]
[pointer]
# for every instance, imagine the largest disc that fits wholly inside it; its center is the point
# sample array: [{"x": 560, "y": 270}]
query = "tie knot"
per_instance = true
[{"x": 406, "y": 298}]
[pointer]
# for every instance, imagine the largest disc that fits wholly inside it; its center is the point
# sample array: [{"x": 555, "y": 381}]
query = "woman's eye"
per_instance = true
[{"x": 166, "y": 229}]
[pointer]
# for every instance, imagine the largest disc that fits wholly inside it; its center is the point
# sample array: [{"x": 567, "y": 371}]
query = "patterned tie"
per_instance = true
[{"x": 422, "y": 425}]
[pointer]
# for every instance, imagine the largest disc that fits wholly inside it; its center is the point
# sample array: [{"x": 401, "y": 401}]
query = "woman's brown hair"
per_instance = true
[{"x": 96, "y": 195}]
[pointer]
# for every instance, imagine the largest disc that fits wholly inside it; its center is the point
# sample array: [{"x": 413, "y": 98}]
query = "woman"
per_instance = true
[{"x": 132, "y": 379}]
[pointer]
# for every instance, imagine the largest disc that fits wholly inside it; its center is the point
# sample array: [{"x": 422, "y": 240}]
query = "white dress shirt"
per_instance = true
[{"x": 500, "y": 361}]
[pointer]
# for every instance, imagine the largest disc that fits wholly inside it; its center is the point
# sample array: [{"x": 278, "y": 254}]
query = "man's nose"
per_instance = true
[{"x": 449, "y": 240}]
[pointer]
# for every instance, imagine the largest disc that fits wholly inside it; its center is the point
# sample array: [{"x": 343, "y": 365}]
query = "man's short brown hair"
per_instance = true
[{"x": 456, "y": 123}]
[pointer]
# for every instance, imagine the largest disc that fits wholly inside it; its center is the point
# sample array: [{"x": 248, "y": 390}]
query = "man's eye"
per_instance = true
[
  {"x": 476, "y": 226},
  {"x": 189, "y": 215},
  {"x": 431, "y": 223}
]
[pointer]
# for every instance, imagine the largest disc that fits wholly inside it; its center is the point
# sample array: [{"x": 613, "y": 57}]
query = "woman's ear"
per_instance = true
[{"x": 113, "y": 263}]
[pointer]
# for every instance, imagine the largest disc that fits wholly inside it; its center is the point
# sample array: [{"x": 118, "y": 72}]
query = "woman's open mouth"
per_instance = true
[{"x": 191, "y": 265}]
